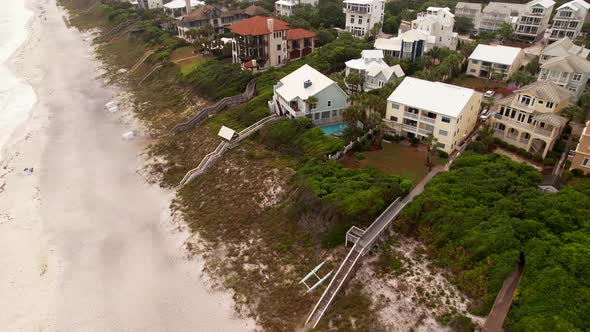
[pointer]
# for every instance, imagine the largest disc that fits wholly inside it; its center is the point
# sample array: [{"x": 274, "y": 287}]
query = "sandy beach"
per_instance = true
[{"x": 85, "y": 243}]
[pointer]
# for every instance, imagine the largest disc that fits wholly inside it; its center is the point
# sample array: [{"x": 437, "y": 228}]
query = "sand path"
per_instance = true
[{"x": 85, "y": 243}]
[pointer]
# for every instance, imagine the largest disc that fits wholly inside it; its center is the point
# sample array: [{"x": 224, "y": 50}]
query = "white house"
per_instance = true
[
  {"x": 494, "y": 61},
  {"x": 285, "y": 7},
  {"x": 178, "y": 8},
  {"x": 534, "y": 20},
  {"x": 362, "y": 15},
  {"x": 470, "y": 10},
  {"x": 568, "y": 20},
  {"x": 411, "y": 45},
  {"x": 438, "y": 22},
  {"x": 497, "y": 13},
  {"x": 418, "y": 108},
  {"x": 293, "y": 92},
  {"x": 375, "y": 71},
  {"x": 570, "y": 71},
  {"x": 562, "y": 47}
]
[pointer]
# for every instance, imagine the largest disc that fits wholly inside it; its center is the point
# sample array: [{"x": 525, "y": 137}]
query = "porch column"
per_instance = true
[{"x": 546, "y": 149}]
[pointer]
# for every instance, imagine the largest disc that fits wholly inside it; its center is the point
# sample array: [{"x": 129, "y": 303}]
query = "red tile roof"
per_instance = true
[
  {"x": 250, "y": 64},
  {"x": 257, "y": 25},
  {"x": 294, "y": 34}
]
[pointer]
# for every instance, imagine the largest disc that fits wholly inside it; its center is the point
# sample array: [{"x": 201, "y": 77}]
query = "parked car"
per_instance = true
[
  {"x": 489, "y": 94},
  {"x": 485, "y": 114}
]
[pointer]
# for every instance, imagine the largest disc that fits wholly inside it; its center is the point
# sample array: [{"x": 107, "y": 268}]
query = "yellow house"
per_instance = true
[
  {"x": 529, "y": 118},
  {"x": 581, "y": 159},
  {"x": 418, "y": 108},
  {"x": 494, "y": 61}
]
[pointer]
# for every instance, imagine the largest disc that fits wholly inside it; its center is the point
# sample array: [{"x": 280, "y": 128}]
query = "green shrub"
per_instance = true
[
  {"x": 576, "y": 172},
  {"x": 216, "y": 79},
  {"x": 360, "y": 156},
  {"x": 442, "y": 154},
  {"x": 549, "y": 162},
  {"x": 538, "y": 157}
]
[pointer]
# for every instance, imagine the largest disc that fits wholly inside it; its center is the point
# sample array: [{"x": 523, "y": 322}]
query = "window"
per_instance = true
[
  {"x": 549, "y": 104},
  {"x": 525, "y": 100},
  {"x": 279, "y": 48},
  {"x": 334, "y": 113},
  {"x": 393, "y": 118},
  {"x": 440, "y": 145},
  {"x": 443, "y": 132},
  {"x": 474, "y": 62},
  {"x": 577, "y": 77},
  {"x": 380, "y": 84},
  {"x": 395, "y": 106},
  {"x": 326, "y": 115},
  {"x": 472, "y": 70},
  {"x": 360, "y": 20},
  {"x": 585, "y": 162},
  {"x": 446, "y": 119},
  {"x": 279, "y": 59},
  {"x": 352, "y": 19},
  {"x": 316, "y": 116},
  {"x": 329, "y": 103}
]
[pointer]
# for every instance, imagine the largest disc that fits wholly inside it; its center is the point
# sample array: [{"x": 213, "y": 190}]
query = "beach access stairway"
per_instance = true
[
  {"x": 118, "y": 28},
  {"x": 217, "y": 107},
  {"x": 150, "y": 72},
  {"x": 362, "y": 246},
  {"x": 141, "y": 60},
  {"x": 211, "y": 157}
]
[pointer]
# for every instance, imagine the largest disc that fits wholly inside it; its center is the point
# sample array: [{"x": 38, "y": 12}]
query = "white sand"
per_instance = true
[{"x": 85, "y": 243}]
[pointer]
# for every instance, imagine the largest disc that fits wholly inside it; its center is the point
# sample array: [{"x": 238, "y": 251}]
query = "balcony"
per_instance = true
[
  {"x": 513, "y": 123},
  {"x": 409, "y": 128},
  {"x": 410, "y": 115},
  {"x": 427, "y": 119},
  {"x": 524, "y": 140},
  {"x": 355, "y": 10},
  {"x": 544, "y": 132},
  {"x": 424, "y": 132}
]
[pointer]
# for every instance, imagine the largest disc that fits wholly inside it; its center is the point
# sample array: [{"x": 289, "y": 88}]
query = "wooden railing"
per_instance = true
[
  {"x": 217, "y": 107},
  {"x": 149, "y": 73}
]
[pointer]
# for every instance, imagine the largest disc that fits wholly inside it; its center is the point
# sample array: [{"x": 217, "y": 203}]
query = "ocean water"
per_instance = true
[{"x": 16, "y": 96}]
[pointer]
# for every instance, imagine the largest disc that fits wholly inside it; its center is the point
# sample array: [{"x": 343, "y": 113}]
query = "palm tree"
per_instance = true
[
  {"x": 431, "y": 143},
  {"x": 311, "y": 101}
]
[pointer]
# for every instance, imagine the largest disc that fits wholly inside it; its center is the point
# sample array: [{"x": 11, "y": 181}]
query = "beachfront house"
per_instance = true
[
  {"x": 300, "y": 42},
  {"x": 562, "y": 47},
  {"x": 529, "y": 118},
  {"x": 498, "y": 62},
  {"x": 568, "y": 20},
  {"x": 372, "y": 69},
  {"x": 418, "y": 108},
  {"x": 219, "y": 17},
  {"x": 534, "y": 20},
  {"x": 497, "y": 13},
  {"x": 570, "y": 71},
  {"x": 285, "y": 7},
  {"x": 581, "y": 158},
  {"x": 362, "y": 15},
  {"x": 308, "y": 93},
  {"x": 438, "y": 22},
  {"x": 411, "y": 45},
  {"x": 178, "y": 8},
  {"x": 471, "y": 11}
]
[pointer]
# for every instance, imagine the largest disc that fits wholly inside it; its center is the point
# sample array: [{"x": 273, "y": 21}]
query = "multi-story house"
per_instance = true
[
  {"x": 438, "y": 22},
  {"x": 570, "y": 71},
  {"x": 562, "y": 47},
  {"x": 151, "y": 4},
  {"x": 300, "y": 42},
  {"x": 410, "y": 45},
  {"x": 470, "y": 10},
  {"x": 373, "y": 68},
  {"x": 534, "y": 20},
  {"x": 529, "y": 118},
  {"x": 308, "y": 93},
  {"x": 496, "y": 13},
  {"x": 260, "y": 42},
  {"x": 179, "y": 8},
  {"x": 568, "y": 20},
  {"x": 362, "y": 15},
  {"x": 418, "y": 108},
  {"x": 581, "y": 157},
  {"x": 494, "y": 61},
  {"x": 285, "y": 7},
  {"x": 220, "y": 18}
]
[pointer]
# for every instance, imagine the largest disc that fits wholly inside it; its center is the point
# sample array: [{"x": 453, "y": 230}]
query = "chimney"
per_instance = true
[
  {"x": 307, "y": 84},
  {"x": 187, "y": 4},
  {"x": 270, "y": 24},
  {"x": 253, "y": 62}
]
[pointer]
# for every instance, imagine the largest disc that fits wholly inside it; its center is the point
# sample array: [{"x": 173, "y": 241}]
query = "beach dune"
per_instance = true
[{"x": 85, "y": 243}]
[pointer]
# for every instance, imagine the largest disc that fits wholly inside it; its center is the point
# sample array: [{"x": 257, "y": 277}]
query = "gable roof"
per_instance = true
[
  {"x": 543, "y": 3},
  {"x": 545, "y": 90},
  {"x": 202, "y": 12},
  {"x": 176, "y": 4},
  {"x": 497, "y": 54},
  {"x": 294, "y": 34},
  {"x": 442, "y": 98},
  {"x": 575, "y": 5},
  {"x": 569, "y": 64},
  {"x": 504, "y": 8},
  {"x": 468, "y": 5},
  {"x": 292, "y": 85},
  {"x": 564, "y": 47},
  {"x": 258, "y": 25}
]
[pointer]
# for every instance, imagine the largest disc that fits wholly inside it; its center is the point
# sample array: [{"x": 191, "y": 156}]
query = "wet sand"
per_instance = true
[{"x": 85, "y": 243}]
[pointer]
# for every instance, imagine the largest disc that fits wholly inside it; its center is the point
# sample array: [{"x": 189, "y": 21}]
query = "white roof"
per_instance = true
[
  {"x": 285, "y": 2},
  {"x": 361, "y": 2},
  {"x": 395, "y": 43},
  {"x": 391, "y": 44},
  {"x": 292, "y": 85},
  {"x": 372, "y": 54},
  {"x": 576, "y": 4},
  {"x": 441, "y": 98},
  {"x": 504, "y": 55},
  {"x": 226, "y": 133},
  {"x": 437, "y": 9},
  {"x": 176, "y": 4},
  {"x": 544, "y": 3}
]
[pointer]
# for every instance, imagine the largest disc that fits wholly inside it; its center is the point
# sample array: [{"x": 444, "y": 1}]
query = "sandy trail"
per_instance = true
[{"x": 85, "y": 243}]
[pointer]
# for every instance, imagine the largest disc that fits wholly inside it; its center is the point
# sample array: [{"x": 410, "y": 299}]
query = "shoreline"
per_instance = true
[{"x": 39, "y": 259}]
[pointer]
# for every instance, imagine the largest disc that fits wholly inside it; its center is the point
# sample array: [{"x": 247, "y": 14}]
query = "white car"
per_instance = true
[
  {"x": 485, "y": 114},
  {"x": 489, "y": 94}
]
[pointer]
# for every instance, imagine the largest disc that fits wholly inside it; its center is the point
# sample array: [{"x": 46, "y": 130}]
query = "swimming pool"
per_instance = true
[{"x": 335, "y": 129}]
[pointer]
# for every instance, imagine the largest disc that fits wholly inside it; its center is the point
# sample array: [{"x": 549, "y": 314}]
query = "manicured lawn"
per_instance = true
[
  {"x": 479, "y": 84},
  {"x": 395, "y": 158},
  {"x": 185, "y": 58}
]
